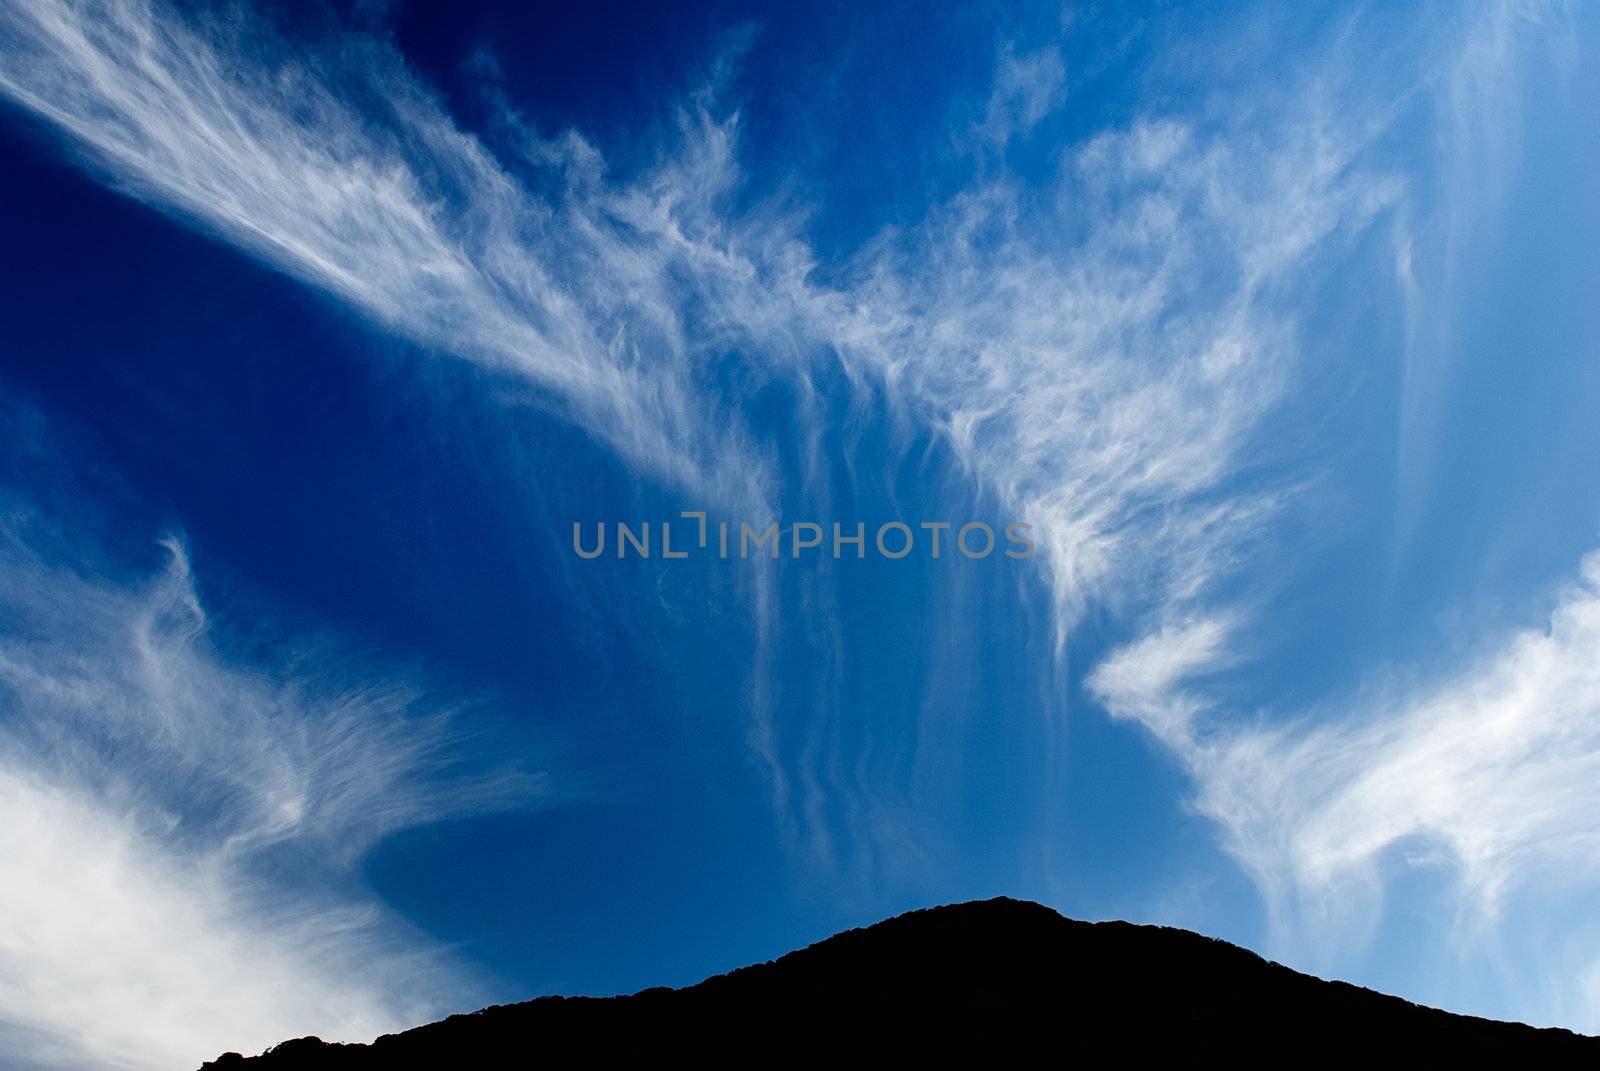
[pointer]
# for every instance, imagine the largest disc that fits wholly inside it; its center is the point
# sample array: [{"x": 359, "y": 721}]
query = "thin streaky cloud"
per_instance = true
[
  {"x": 1497, "y": 765},
  {"x": 1099, "y": 384},
  {"x": 153, "y": 791},
  {"x": 995, "y": 322},
  {"x": 392, "y": 209},
  {"x": 1489, "y": 765}
]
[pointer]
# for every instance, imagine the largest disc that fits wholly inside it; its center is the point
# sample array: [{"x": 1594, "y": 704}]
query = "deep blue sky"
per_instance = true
[{"x": 323, "y": 325}]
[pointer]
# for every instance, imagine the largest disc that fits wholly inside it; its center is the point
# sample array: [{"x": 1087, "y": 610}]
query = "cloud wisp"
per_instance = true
[
  {"x": 1487, "y": 769},
  {"x": 1497, "y": 766},
  {"x": 180, "y": 830},
  {"x": 1106, "y": 381},
  {"x": 1103, "y": 379},
  {"x": 389, "y": 206}
]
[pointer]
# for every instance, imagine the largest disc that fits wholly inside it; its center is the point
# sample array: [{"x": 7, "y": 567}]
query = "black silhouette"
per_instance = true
[{"x": 1001, "y": 980}]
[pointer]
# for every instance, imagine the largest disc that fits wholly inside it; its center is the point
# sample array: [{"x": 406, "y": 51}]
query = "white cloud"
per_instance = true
[
  {"x": 1099, "y": 352},
  {"x": 178, "y": 832},
  {"x": 1483, "y": 779},
  {"x": 1478, "y": 99},
  {"x": 1103, "y": 358},
  {"x": 1499, "y": 763},
  {"x": 1026, "y": 90},
  {"x": 1497, "y": 766},
  {"x": 1142, "y": 681},
  {"x": 392, "y": 208},
  {"x": 616, "y": 303}
]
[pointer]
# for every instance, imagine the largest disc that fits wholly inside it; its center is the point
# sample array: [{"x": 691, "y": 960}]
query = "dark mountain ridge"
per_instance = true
[{"x": 1004, "y": 977}]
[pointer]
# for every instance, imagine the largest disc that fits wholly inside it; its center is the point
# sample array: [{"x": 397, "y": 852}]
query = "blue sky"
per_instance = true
[{"x": 324, "y": 324}]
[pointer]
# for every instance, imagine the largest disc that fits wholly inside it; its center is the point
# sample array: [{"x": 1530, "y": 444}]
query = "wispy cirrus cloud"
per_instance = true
[
  {"x": 1106, "y": 379},
  {"x": 346, "y": 173},
  {"x": 1098, "y": 349},
  {"x": 180, "y": 827},
  {"x": 1497, "y": 765},
  {"x": 336, "y": 166},
  {"x": 1485, "y": 768},
  {"x": 1479, "y": 95}
]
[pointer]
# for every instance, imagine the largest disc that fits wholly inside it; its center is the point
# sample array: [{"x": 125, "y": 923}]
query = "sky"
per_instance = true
[{"x": 325, "y": 323}]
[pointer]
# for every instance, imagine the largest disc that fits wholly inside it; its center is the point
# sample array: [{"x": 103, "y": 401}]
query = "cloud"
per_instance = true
[
  {"x": 1098, "y": 349},
  {"x": 1105, "y": 378},
  {"x": 615, "y": 304},
  {"x": 1497, "y": 765},
  {"x": 1478, "y": 98},
  {"x": 179, "y": 828},
  {"x": 1476, "y": 785},
  {"x": 1141, "y": 682},
  {"x": 1026, "y": 90},
  {"x": 337, "y": 168}
]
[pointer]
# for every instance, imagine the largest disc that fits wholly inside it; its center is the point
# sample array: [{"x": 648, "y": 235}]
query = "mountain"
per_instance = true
[{"x": 1003, "y": 978}]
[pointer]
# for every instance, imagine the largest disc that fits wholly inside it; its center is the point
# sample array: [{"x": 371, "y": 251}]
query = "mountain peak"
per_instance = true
[{"x": 997, "y": 974}]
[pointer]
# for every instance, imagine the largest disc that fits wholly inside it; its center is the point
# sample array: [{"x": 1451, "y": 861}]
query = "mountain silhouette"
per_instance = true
[{"x": 1003, "y": 978}]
